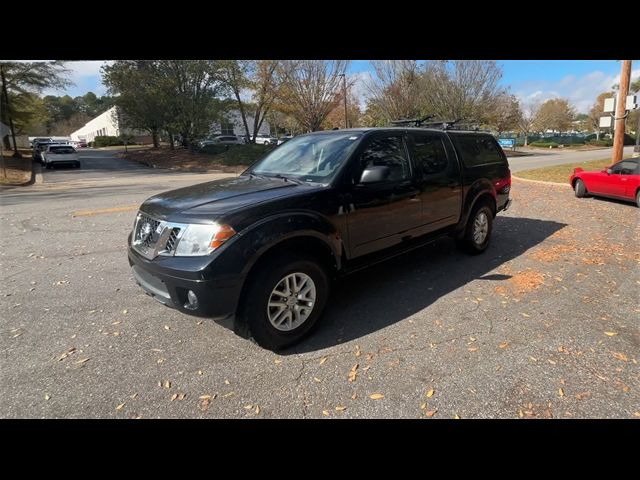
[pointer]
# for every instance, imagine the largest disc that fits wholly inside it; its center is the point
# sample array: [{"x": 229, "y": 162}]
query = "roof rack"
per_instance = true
[{"x": 417, "y": 122}]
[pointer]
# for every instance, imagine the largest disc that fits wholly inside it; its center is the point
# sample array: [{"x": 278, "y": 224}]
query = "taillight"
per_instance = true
[{"x": 503, "y": 185}]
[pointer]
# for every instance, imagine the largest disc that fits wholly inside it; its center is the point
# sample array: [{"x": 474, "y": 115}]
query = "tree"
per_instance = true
[
  {"x": 21, "y": 78},
  {"x": 506, "y": 114},
  {"x": 528, "y": 118},
  {"x": 461, "y": 89},
  {"x": 141, "y": 98},
  {"x": 596, "y": 111},
  {"x": 335, "y": 119},
  {"x": 235, "y": 79},
  {"x": 555, "y": 114},
  {"x": 395, "y": 89},
  {"x": 311, "y": 89}
]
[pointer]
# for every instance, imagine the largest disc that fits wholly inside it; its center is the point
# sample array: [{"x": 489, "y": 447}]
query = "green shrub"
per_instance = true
[
  {"x": 236, "y": 154},
  {"x": 214, "y": 149},
  {"x": 601, "y": 143},
  {"x": 107, "y": 141},
  {"x": 544, "y": 144}
]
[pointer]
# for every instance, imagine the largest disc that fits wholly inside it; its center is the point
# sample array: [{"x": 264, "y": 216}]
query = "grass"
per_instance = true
[
  {"x": 561, "y": 173},
  {"x": 17, "y": 171}
]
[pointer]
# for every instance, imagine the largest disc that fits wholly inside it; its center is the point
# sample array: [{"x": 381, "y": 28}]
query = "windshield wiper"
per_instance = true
[{"x": 288, "y": 179}]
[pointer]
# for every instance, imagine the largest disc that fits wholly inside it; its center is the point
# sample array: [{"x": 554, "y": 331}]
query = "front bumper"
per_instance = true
[{"x": 216, "y": 297}]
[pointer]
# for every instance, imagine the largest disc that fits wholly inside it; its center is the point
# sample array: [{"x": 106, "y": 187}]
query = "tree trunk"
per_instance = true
[
  {"x": 185, "y": 140},
  {"x": 244, "y": 117},
  {"x": 6, "y": 99},
  {"x": 526, "y": 139},
  {"x": 171, "y": 140},
  {"x": 598, "y": 134},
  {"x": 154, "y": 136}
]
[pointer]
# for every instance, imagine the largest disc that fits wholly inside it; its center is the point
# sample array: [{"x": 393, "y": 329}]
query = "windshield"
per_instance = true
[
  {"x": 62, "y": 150},
  {"x": 312, "y": 158}
]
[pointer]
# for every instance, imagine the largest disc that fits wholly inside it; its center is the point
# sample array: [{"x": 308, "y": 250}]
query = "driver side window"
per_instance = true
[
  {"x": 626, "y": 167},
  {"x": 389, "y": 152}
]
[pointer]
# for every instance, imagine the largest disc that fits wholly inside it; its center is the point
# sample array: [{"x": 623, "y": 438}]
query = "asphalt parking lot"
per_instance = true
[{"x": 543, "y": 325}]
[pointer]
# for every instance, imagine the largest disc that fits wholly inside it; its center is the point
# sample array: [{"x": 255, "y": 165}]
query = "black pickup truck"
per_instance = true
[{"x": 267, "y": 244}]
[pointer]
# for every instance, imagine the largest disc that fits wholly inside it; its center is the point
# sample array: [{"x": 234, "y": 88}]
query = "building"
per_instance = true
[
  {"x": 108, "y": 123},
  {"x": 232, "y": 125}
]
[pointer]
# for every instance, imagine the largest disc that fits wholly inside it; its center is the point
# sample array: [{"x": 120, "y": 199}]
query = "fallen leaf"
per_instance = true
[
  {"x": 277, "y": 361},
  {"x": 524, "y": 314},
  {"x": 430, "y": 393},
  {"x": 199, "y": 323},
  {"x": 533, "y": 359},
  {"x": 316, "y": 379},
  {"x": 620, "y": 356},
  {"x": 248, "y": 407},
  {"x": 325, "y": 412},
  {"x": 134, "y": 395},
  {"x": 17, "y": 335},
  {"x": 167, "y": 384},
  {"x": 423, "y": 406},
  {"x": 341, "y": 408},
  {"x": 322, "y": 360},
  {"x": 121, "y": 406},
  {"x": 230, "y": 394},
  {"x": 117, "y": 322},
  {"x": 611, "y": 334},
  {"x": 160, "y": 360},
  {"x": 257, "y": 410},
  {"x": 472, "y": 349},
  {"x": 504, "y": 345},
  {"x": 353, "y": 373},
  {"x": 561, "y": 392},
  {"x": 166, "y": 327},
  {"x": 456, "y": 416},
  {"x": 636, "y": 414},
  {"x": 67, "y": 353},
  {"x": 358, "y": 352},
  {"x": 124, "y": 311},
  {"x": 552, "y": 362},
  {"x": 520, "y": 413},
  {"x": 182, "y": 396},
  {"x": 47, "y": 396},
  {"x": 354, "y": 396},
  {"x": 376, "y": 396},
  {"x": 227, "y": 382},
  {"x": 430, "y": 413},
  {"x": 174, "y": 396}
]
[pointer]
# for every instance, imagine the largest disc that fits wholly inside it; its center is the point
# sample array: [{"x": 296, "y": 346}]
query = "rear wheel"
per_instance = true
[
  {"x": 477, "y": 232},
  {"x": 284, "y": 300},
  {"x": 638, "y": 198},
  {"x": 580, "y": 189},
  {"x": 77, "y": 164}
]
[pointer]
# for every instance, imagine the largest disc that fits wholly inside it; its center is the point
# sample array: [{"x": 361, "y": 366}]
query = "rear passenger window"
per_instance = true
[
  {"x": 477, "y": 149},
  {"x": 428, "y": 154}
]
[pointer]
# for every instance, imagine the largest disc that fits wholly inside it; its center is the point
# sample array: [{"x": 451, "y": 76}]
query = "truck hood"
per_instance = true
[{"x": 219, "y": 197}]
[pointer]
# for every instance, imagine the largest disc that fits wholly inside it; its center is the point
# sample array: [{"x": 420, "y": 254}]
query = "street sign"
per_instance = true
[
  {"x": 507, "y": 142},
  {"x": 609, "y": 105}
]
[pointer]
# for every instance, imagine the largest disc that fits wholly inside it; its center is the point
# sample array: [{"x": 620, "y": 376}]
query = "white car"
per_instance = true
[
  {"x": 266, "y": 139},
  {"x": 222, "y": 140},
  {"x": 57, "y": 154}
]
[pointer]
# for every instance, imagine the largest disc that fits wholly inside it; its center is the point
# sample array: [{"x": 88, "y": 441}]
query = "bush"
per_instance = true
[
  {"x": 107, "y": 141},
  {"x": 214, "y": 149},
  {"x": 600, "y": 143},
  {"x": 544, "y": 144},
  {"x": 236, "y": 154}
]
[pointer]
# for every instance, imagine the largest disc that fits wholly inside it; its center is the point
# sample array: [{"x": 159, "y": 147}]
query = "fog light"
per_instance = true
[{"x": 192, "y": 301}]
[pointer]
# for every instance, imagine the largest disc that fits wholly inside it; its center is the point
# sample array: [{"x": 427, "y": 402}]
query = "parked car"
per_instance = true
[
  {"x": 60, "y": 154},
  {"x": 81, "y": 144},
  {"x": 281, "y": 140},
  {"x": 222, "y": 140},
  {"x": 266, "y": 245},
  {"x": 40, "y": 140},
  {"x": 40, "y": 146},
  {"x": 265, "y": 139},
  {"x": 620, "y": 181}
]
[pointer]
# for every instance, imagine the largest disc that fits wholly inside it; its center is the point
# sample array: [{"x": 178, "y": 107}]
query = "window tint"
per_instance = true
[
  {"x": 626, "y": 167},
  {"x": 62, "y": 150},
  {"x": 428, "y": 154},
  {"x": 387, "y": 151},
  {"x": 477, "y": 149}
]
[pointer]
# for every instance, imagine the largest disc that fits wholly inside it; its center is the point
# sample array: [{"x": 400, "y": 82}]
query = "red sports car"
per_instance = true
[{"x": 621, "y": 181}]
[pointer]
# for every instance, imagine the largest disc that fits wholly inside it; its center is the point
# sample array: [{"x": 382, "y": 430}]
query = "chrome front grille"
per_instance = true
[{"x": 153, "y": 237}]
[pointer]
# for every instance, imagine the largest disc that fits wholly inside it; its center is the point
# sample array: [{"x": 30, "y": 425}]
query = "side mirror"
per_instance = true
[
  {"x": 609, "y": 171},
  {"x": 375, "y": 174}
]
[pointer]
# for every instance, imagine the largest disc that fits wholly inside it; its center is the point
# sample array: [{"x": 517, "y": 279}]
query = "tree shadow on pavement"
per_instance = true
[{"x": 379, "y": 296}]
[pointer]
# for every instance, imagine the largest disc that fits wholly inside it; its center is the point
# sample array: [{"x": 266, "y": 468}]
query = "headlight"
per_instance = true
[{"x": 202, "y": 239}]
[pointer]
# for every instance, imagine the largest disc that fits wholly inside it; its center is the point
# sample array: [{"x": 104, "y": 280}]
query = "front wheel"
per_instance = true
[
  {"x": 284, "y": 300},
  {"x": 638, "y": 198},
  {"x": 580, "y": 189},
  {"x": 477, "y": 232}
]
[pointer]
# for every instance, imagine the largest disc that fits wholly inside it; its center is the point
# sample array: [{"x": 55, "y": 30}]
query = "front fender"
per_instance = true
[{"x": 249, "y": 245}]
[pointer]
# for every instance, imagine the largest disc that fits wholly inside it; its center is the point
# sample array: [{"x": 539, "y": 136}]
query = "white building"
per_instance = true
[
  {"x": 232, "y": 125},
  {"x": 107, "y": 124}
]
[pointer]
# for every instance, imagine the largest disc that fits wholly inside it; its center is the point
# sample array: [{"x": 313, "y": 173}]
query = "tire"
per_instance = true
[
  {"x": 77, "y": 165},
  {"x": 270, "y": 276},
  {"x": 477, "y": 232},
  {"x": 47, "y": 166},
  {"x": 580, "y": 189},
  {"x": 638, "y": 198}
]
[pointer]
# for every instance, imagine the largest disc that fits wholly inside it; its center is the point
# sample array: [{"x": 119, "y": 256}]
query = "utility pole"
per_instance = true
[
  {"x": 344, "y": 93},
  {"x": 6, "y": 99},
  {"x": 618, "y": 134}
]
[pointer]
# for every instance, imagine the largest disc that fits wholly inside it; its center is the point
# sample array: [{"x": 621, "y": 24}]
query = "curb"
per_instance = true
[
  {"x": 539, "y": 181},
  {"x": 37, "y": 174}
]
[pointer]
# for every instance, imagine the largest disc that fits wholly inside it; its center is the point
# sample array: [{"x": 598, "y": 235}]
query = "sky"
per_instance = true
[{"x": 580, "y": 81}]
